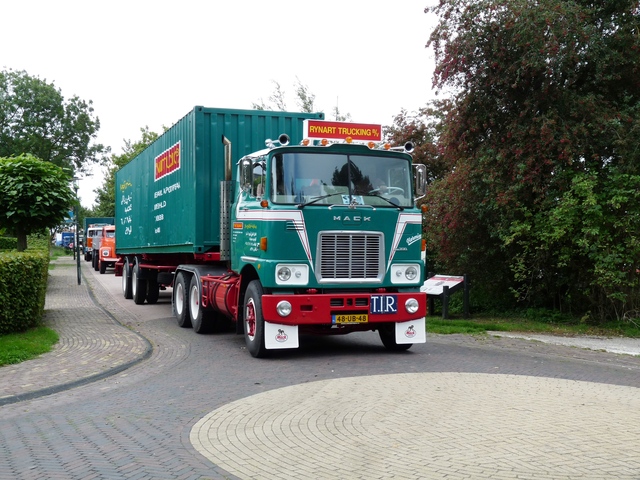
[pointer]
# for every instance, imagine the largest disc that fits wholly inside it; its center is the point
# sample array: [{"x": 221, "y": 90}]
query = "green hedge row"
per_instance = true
[
  {"x": 23, "y": 286},
  {"x": 8, "y": 243}
]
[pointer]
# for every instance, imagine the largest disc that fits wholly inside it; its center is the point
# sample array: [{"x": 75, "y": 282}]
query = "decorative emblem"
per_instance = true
[
  {"x": 281, "y": 336},
  {"x": 410, "y": 332}
]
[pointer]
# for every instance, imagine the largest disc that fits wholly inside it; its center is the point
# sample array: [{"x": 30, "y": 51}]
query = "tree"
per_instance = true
[
  {"x": 541, "y": 133},
  {"x": 35, "y": 195},
  {"x": 305, "y": 100},
  {"x": 106, "y": 195},
  {"x": 35, "y": 118}
]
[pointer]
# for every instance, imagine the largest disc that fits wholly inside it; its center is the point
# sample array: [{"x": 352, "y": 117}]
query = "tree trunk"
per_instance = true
[{"x": 22, "y": 240}]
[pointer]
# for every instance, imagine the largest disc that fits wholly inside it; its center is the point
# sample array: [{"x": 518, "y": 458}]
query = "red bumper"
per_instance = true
[{"x": 321, "y": 309}]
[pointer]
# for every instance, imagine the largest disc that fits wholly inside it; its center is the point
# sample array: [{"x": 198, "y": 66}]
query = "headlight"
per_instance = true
[
  {"x": 411, "y": 305},
  {"x": 411, "y": 273},
  {"x": 105, "y": 253},
  {"x": 292, "y": 274},
  {"x": 405, "y": 273},
  {"x": 284, "y": 274},
  {"x": 283, "y": 308}
]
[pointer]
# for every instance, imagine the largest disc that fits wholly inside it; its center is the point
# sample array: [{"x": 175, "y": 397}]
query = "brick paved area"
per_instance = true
[
  {"x": 200, "y": 407},
  {"x": 428, "y": 425},
  {"x": 93, "y": 344}
]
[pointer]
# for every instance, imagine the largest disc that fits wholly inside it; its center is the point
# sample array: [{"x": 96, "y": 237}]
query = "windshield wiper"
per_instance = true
[
  {"x": 377, "y": 194},
  {"x": 317, "y": 199}
]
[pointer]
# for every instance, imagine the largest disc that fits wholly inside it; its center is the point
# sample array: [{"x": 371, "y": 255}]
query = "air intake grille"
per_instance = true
[{"x": 351, "y": 256}]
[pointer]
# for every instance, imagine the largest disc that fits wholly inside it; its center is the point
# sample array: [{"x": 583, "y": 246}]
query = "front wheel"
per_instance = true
[
  {"x": 253, "y": 320},
  {"x": 180, "y": 300},
  {"x": 387, "y": 333}
]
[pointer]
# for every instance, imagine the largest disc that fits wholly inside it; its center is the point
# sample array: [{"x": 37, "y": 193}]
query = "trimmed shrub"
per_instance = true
[
  {"x": 8, "y": 243},
  {"x": 23, "y": 285}
]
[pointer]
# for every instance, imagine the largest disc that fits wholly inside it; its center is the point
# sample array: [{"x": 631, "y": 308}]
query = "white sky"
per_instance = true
[{"x": 147, "y": 63}]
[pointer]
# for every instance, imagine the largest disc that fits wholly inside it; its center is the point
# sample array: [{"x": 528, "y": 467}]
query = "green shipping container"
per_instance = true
[{"x": 168, "y": 197}]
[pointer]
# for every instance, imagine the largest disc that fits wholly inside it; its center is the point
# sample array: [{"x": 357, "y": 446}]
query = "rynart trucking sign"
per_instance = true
[{"x": 363, "y": 132}]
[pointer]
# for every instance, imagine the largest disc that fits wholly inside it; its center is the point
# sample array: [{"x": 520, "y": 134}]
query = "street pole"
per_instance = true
[{"x": 76, "y": 246}]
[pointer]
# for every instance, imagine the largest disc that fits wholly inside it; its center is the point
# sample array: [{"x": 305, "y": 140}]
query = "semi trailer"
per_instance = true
[{"x": 282, "y": 224}]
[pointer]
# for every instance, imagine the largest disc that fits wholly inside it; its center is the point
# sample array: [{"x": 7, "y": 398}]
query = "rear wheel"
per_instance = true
[
  {"x": 253, "y": 320},
  {"x": 138, "y": 285},
  {"x": 201, "y": 319},
  {"x": 153, "y": 290},
  {"x": 126, "y": 279},
  {"x": 180, "y": 300},
  {"x": 387, "y": 333}
]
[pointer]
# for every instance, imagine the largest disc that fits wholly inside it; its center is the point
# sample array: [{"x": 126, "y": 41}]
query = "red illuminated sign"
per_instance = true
[
  {"x": 341, "y": 130},
  {"x": 167, "y": 162}
]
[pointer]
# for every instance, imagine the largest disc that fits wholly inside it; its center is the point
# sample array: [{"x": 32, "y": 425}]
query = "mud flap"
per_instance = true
[
  {"x": 413, "y": 331},
  {"x": 280, "y": 336}
]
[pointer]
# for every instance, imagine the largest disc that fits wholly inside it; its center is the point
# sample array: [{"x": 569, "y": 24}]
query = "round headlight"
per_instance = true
[
  {"x": 284, "y": 274},
  {"x": 411, "y": 305},
  {"x": 411, "y": 273},
  {"x": 283, "y": 308}
]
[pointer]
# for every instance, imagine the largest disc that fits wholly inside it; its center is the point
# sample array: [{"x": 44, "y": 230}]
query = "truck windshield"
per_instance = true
[{"x": 341, "y": 179}]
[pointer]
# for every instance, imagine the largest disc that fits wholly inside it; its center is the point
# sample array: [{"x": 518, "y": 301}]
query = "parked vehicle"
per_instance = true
[
  {"x": 290, "y": 239},
  {"x": 107, "y": 249},
  {"x": 92, "y": 228}
]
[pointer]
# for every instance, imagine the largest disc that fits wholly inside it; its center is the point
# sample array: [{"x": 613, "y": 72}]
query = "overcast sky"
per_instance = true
[{"x": 147, "y": 63}]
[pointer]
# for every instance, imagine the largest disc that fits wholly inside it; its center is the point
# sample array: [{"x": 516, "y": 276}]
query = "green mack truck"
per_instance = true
[{"x": 282, "y": 223}]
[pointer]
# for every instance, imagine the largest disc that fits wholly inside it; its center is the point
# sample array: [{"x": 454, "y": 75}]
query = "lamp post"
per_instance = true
[{"x": 76, "y": 245}]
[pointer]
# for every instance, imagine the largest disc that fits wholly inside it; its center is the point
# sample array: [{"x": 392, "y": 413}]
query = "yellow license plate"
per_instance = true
[{"x": 350, "y": 318}]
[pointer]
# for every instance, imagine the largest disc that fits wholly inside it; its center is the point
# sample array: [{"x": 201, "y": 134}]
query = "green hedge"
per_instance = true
[
  {"x": 8, "y": 243},
  {"x": 23, "y": 286}
]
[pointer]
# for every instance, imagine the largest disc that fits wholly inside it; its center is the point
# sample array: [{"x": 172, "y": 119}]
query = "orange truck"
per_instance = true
[
  {"x": 105, "y": 249},
  {"x": 92, "y": 228}
]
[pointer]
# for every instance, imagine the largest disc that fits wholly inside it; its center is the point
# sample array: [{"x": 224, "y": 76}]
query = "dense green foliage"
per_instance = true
[
  {"x": 23, "y": 285},
  {"x": 8, "y": 243},
  {"x": 35, "y": 118},
  {"x": 539, "y": 136},
  {"x": 35, "y": 195},
  {"x": 106, "y": 194}
]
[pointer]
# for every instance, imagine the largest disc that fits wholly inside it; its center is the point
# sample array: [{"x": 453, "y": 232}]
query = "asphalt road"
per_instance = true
[{"x": 200, "y": 407}]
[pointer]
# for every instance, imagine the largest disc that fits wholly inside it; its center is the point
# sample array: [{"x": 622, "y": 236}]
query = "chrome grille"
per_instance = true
[{"x": 350, "y": 257}]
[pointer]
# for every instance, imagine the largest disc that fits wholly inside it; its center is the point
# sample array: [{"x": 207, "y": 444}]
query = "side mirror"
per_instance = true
[
  {"x": 246, "y": 174},
  {"x": 420, "y": 180}
]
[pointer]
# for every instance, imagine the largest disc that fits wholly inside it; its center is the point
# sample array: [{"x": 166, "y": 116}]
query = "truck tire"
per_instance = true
[
  {"x": 103, "y": 267},
  {"x": 387, "y": 333},
  {"x": 153, "y": 291},
  {"x": 181, "y": 300},
  {"x": 201, "y": 319},
  {"x": 253, "y": 320},
  {"x": 138, "y": 284},
  {"x": 126, "y": 279},
  {"x": 96, "y": 261}
]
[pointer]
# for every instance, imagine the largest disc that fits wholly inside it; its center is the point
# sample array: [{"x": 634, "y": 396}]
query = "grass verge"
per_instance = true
[
  {"x": 480, "y": 325},
  {"x": 18, "y": 347}
]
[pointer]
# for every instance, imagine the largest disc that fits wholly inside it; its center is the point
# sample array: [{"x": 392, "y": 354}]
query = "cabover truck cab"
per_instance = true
[
  {"x": 107, "y": 250},
  {"x": 318, "y": 237},
  {"x": 92, "y": 226}
]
